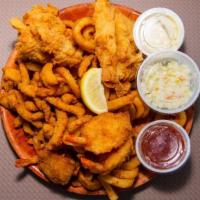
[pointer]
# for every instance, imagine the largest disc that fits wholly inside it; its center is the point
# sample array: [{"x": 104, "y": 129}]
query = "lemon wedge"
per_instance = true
[{"x": 92, "y": 91}]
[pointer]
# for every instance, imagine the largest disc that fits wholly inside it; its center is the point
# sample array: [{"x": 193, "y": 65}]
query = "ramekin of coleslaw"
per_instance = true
[{"x": 169, "y": 81}]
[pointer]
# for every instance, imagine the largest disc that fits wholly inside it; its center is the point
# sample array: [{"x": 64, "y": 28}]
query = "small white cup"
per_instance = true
[
  {"x": 181, "y": 58},
  {"x": 186, "y": 140},
  {"x": 146, "y": 28}
]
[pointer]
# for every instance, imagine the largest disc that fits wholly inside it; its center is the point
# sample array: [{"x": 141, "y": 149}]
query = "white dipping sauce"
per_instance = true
[{"x": 158, "y": 29}]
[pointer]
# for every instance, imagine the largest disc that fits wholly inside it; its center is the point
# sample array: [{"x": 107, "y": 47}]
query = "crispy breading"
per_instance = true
[
  {"x": 106, "y": 131},
  {"x": 42, "y": 38}
]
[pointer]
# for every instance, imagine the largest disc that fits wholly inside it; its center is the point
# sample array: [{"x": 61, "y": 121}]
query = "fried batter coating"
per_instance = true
[
  {"x": 86, "y": 62},
  {"x": 12, "y": 74},
  {"x": 58, "y": 168},
  {"x": 29, "y": 90},
  {"x": 47, "y": 75},
  {"x": 30, "y": 106},
  {"x": 58, "y": 132},
  {"x": 106, "y": 131},
  {"x": 69, "y": 98},
  {"x": 18, "y": 122},
  {"x": 58, "y": 103},
  {"x": 87, "y": 183},
  {"x": 105, "y": 39},
  {"x": 120, "y": 102},
  {"x": 70, "y": 80},
  {"x": 113, "y": 160},
  {"x": 75, "y": 124},
  {"x": 43, "y": 106},
  {"x": 27, "y": 115},
  {"x": 87, "y": 45},
  {"x": 10, "y": 99},
  {"x": 115, "y": 48},
  {"x": 42, "y": 38},
  {"x": 24, "y": 74}
]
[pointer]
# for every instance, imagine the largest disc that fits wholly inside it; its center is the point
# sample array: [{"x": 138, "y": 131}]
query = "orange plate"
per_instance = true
[{"x": 17, "y": 138}]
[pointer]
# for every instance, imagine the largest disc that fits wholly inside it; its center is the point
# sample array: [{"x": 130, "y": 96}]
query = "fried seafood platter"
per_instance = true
[{"x": 48, "y": 96}]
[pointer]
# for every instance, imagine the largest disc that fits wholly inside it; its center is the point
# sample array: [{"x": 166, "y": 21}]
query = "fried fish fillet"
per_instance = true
[
  {"x": 115, "y": 47},
  {"x": 106, "y": 131},
  {"x": 104, "y": 16},
  {"x": 42, "y": 38},
  {"x": 58, "y": 168}
]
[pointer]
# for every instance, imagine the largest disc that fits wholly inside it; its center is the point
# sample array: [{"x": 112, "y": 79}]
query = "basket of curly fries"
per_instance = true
[{"x": 71, "y": 103}]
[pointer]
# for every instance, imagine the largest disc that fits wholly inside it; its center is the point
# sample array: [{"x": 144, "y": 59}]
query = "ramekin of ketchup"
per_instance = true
[{"x": 163, "y": 146}]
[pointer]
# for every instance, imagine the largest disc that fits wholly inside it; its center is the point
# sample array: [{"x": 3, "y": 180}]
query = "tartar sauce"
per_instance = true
[
  {"x": 167, "y": 84},
  {"x": 158, "y": 29}
]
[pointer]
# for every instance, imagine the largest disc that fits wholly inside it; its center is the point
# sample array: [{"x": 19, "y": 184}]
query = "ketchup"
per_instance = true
[{"x": 163, "y": 146}]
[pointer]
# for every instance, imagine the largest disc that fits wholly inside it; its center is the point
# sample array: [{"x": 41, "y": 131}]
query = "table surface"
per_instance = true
[{"x": 21, "y": 184}]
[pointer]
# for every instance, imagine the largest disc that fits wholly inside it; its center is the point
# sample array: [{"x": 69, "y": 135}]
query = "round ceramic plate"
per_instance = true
[{"x": 17, "y": 138}]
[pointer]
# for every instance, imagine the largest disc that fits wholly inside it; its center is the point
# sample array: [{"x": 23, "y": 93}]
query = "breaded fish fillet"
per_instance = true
[
  {"x": 42, "y": 38},
  {"x": 106, "y": 48},
  {"x": 106, "y": 131},
  {"x": 115, "y": 47}
]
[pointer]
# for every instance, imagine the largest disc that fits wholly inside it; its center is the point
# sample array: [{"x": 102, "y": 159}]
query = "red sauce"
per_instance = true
[{"x": 163, "y": 146}]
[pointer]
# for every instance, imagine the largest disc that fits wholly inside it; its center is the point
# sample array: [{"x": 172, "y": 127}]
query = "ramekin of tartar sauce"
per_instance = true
[
  {"x": 158, "y": 29},
  {"x": 163, "y": 146},
  {"x": 168, "y": 81}
]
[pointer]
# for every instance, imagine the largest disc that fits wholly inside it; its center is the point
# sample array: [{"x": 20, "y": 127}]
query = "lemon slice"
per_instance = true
[{"x": 92, "y": 91}]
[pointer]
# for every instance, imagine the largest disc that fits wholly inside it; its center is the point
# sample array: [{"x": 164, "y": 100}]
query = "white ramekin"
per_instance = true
[
  {"x": 146, "y": 16},
  {"x": 181, "y": 58},
  {"x": 185, "y": 138}
]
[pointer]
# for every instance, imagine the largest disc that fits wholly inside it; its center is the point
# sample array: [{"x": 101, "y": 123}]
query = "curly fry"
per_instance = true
[
  {"x": 75, "y": 124},
  {"x": 87, "y": 45},
  {"x": 88, "y": 32},
  {"x": 60, "y": 126},
  {"x": 86, "y": 62},
  {"x": 58, "y": 103},
  {"x": 29, "y": 90},
  {"x": 121, "y": 101},
  {"x": 70, "y": 80}
]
